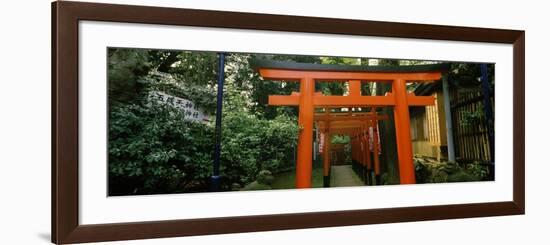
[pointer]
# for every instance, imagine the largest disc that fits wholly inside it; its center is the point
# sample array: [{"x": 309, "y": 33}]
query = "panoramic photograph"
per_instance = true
[{"x": 199, "y": 121}]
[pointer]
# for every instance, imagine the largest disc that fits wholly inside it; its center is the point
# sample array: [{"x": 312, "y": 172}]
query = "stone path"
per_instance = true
[{"x": 343, "y": 175}]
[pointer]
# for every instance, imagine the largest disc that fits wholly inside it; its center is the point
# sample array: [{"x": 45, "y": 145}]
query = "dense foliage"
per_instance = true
[
  {"x": 251, "y": 144},
  {"x": 152, "y": 149}
]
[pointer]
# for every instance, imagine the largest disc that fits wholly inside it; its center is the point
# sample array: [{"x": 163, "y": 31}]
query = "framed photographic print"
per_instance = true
[{"x": 175, "y": 122}]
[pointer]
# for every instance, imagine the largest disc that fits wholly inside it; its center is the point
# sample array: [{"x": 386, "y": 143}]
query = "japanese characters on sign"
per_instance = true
[{"x": 189, "y": 109}]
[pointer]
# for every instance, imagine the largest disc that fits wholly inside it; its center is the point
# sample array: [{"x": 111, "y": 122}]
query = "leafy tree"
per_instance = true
[
  {"x": 125, "y": 67},
  {"x": 251, "y": 144},
  {"x": 248, "y": 85}
]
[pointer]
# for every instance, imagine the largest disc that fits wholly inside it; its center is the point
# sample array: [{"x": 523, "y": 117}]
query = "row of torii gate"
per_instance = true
[
  {"x": 357, "y": 123},
  {"x": 362, "y": 127}
]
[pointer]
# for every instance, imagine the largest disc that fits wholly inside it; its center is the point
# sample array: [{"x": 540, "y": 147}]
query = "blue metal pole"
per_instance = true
[
  {"x": 489, "y": 117},
  {"x": 215, "y": 178}
]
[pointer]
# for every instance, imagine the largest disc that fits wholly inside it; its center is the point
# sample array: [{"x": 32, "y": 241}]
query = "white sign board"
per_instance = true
[{"x": 189, "y": 109}]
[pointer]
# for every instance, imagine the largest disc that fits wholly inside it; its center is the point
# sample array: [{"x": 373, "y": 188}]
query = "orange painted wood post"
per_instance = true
[
  {"x": 367, "y": 147},
  {"x": 326, "y": 148},
  {"x": 354, "y": 88},
  {"x": 326, "y": 156},
  {"x": 359, "y": 146},
  {"x": 329, "y": 148},
  {"x": 366, "y": 138},
  {"x": 354, "y": 149},
  {"x": 375, "y": 150},
  {"x": 403, "y": 132},
  {"x": 359, "y": 155},
  {"x": 305, "y": 137}
]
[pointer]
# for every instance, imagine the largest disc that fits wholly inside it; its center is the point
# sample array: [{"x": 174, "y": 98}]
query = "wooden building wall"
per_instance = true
[{"x": 428, "y": 131}]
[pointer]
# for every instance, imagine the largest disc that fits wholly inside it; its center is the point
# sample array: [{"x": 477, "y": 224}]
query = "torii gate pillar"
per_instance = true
[
  {"x": 403, "y": 133},
  {"x": 326, "y": 158},
  {"x": 305, "y": 136}
]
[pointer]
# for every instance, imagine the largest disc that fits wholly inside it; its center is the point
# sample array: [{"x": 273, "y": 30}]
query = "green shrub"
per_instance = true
[
  {"x": 153, "y": 150},
  {"x": 431, "y": 171}
]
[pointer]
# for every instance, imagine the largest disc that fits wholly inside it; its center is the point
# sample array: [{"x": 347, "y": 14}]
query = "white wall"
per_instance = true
[{"x": 25, "y": 122}]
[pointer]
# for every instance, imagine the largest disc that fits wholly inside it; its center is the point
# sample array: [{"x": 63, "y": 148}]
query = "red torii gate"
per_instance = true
[
  {"x": 307, "y": 100},
  {"x": 361, "y": 144},
  {"x": 357, "y": 126}
]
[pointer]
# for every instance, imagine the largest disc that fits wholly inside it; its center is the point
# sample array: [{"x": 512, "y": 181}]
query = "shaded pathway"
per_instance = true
[{"x": 343, "y": 175}]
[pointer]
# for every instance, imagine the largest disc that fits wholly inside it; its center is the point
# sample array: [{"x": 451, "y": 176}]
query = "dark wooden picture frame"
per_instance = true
[{"x": 65, "y": 122}]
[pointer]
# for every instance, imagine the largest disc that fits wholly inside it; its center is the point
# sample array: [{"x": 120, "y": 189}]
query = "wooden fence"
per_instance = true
[{"x": 471, "y": 136}]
